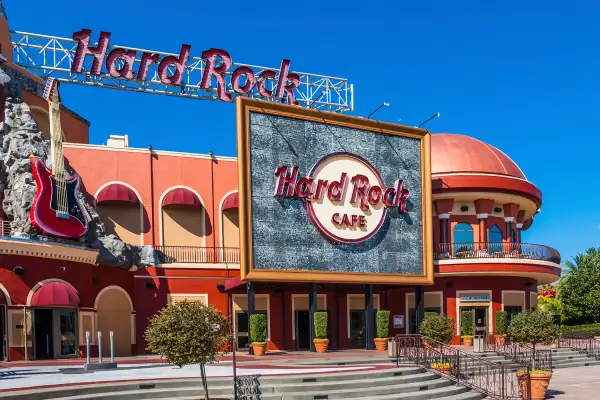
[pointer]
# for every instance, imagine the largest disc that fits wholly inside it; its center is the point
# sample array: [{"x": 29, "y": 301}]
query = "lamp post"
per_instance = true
[{"x": 385, "y": 104}]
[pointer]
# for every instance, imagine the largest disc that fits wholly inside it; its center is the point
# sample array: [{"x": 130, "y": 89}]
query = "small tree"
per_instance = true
[
  {"x": 533, "y": 327},
  {"x": 321, "y": 325},
  {"x": 466, "y": 323},
  {"x": 438, "y": 327},
  {"x": 258, "y": 328},
  {"x": 501, "y": 323},
  {"x": 383, "y": 324},
  {"x": 189, "y": 333},
  {"x": 429, "y": 313}
]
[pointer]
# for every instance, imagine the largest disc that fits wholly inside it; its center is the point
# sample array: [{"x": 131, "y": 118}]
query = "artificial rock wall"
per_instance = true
[{"x": 21, "y": 138}]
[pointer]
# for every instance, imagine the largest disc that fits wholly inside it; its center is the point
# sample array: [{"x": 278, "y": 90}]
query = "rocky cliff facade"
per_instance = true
[{"x": 21, "y": 138}]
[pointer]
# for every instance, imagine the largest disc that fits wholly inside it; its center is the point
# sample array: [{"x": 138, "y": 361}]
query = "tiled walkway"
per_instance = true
[{"x": 581, "y": 383}]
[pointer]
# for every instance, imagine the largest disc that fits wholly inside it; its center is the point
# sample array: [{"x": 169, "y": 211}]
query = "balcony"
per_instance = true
[
  {"x": 521, "y": 251},
  {"x": 197, "y": 255}
]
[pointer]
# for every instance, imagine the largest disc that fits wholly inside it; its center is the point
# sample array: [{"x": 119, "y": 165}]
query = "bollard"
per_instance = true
[
  {"x": 112, "y": 347},
  {"x": 87, "y": 347},
  {"x": 99, "y": 347}
]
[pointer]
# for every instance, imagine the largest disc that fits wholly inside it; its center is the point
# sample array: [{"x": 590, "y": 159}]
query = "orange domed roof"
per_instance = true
[{"x": 452, "y": 153}]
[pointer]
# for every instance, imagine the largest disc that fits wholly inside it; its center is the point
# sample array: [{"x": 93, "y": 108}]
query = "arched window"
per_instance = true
[
  {"x": 495, "y": 235},
  {"x": 463, "y": 238}
]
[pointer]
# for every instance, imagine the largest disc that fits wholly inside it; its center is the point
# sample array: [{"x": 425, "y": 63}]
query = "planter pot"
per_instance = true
[
  {"x": 539, "y": 386},
  {"x": 259, "y": 348},
  {"x": 444, "y": 370},
  {"x": 500, "y": 340},
  {"x": 468, "y": 342},
  {"x": 381, "y": 344},
  {"x": 321, "y": 345}
]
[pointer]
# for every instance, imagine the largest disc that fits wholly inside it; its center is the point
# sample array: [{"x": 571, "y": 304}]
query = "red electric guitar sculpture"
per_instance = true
[{"x": 56, "y": 210}]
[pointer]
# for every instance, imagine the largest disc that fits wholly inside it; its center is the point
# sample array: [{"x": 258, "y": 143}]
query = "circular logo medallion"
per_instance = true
[{"x": 342, "y": 212}]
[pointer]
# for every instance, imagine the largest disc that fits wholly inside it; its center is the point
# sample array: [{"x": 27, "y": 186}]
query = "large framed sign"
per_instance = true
[{"x": 326, "y": 197}]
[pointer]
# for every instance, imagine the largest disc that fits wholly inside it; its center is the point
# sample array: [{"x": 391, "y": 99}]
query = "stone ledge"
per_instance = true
[{"x": 31, "y": 248}]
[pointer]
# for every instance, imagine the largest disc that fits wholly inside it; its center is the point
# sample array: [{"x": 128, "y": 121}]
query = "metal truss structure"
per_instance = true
[{"x": 52, "y": 57}]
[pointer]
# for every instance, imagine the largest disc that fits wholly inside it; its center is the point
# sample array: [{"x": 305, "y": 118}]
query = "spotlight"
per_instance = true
[{"x": 19, "y": 270}]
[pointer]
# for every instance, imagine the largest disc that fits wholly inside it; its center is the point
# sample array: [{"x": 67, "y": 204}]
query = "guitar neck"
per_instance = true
[{"x": 56, "y": 139}]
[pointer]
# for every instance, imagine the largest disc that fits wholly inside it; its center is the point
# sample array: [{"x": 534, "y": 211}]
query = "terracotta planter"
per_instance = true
[
  {"x": 381, "y": 344},
  {"x": 259, "y": 348},
  {"x": 321, "y": 345},
  {"x": 539, "y": 386},
  {"x": 444, "y": 370},
  {"x": 500, "y": 340},
  {"x": 468, "y": 342}
]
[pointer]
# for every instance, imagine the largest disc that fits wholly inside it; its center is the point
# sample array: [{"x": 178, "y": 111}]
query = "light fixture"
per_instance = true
[
  {"x": 464, "y": 208},
  {"x": 385, "y": 104},
  {"x": 19, "y": 270}
]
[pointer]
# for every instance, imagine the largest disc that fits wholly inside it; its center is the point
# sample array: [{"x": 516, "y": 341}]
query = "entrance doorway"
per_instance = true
[
  {"x": 241, "y": 331},
  {"x": 55, "y": 333},
  {"x": 302, "y": 330},
  {"x": 480, "y": 320}
]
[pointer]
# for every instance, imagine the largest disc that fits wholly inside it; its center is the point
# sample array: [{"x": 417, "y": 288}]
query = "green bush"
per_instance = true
[
  {"x": 533, "y": 327},
  {"x": 578, "y": 289},
  {"x": 383, "y": 324},
  {"x": 258, "y": 328},
  {"x": 438, "y": 327},
  {"x": 581, "y": 331},
  {"x": 467, "y": 319},
  {"x": 429, "y": 313},
  {"x": 501, "y": 323},
  {"x": 321, "y": 325}
]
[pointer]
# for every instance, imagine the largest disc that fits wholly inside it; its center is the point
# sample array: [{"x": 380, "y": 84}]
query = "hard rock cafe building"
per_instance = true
[{"x": 186, "y": 206}]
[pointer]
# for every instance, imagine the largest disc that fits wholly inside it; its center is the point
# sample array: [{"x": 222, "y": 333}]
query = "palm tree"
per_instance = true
[{"x": 579, "y": 258}]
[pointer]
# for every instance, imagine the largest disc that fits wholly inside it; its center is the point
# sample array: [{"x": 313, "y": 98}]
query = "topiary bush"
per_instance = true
[
  {"x": 258, "y": 328},
  {"x": 501, "y": 323},
  {"x": 533, "y": 327},
  {"x": 321, "y": 325},
  {"x": 429, "y": 313},
  {"x": 467, "y": 319},
  {"x": 581, "y": 331},
  {"x": 383, "y": 324},
  {"x": 438, "y": 327}
]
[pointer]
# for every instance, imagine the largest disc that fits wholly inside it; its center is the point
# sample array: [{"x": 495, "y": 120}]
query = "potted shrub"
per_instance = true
[
  {"x": 383, "y": 328},
  {"x": 500, "y": 328},
  {"x": 258, "y": 333},
  {"x": 320, "y": 340},
  {"x": 443, "y": 367},
  {"x": 466, "y": 327},
  {"x": 437, "y": 327},
  {"x": 534, "y": 327}
]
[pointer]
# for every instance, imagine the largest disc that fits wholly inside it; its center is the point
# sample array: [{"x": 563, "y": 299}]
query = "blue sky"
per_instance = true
[{"x": 522, "y": 76}]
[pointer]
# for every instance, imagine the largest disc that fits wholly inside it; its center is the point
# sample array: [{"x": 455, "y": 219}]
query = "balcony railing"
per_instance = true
[
  {"x": 194, "y": 254},
  {"x": 445, "y": 251}
]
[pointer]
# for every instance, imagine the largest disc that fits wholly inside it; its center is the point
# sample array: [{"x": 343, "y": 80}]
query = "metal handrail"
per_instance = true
[
  {"x": 498, "y": 381},
  {"x": 196, "y": 254},
  {"x": 445, "y": 251},
  {"x": 539, "y": 359}
]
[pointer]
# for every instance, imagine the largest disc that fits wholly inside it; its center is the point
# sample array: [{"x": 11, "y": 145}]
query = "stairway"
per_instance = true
[
  {"x": 405, "y": 382},
  {"x": 566, "y": 358}
]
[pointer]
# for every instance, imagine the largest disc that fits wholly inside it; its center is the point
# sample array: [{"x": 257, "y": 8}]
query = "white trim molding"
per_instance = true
[
  {"x": 376, "y": 306},
  {"x": 221, "y": 231},
  {"x": 489, "y": 306},
  {"x": 119, "y": 288},
  {"x": 296, "y": 296},
  {"x": 256, "y": 296}
]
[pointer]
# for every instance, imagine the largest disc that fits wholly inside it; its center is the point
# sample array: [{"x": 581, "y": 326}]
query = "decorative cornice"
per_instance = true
[
  {"x": 482, "y": 216},
  {"x": 509, "y": 219},
  {"x": 519, "y": 226},
  {"x": 30, "y": 248},
  {"x": 444, "y": 216}
]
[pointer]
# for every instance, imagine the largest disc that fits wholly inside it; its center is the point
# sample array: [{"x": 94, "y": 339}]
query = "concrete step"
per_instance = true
[{"x": 582, "y": 363}]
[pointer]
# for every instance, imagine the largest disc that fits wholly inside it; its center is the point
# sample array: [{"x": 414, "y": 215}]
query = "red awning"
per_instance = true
[
  {"x": 181, "y": 196},
  {"x": 233, "y": 283},
  {"x": 231, "y": 201},
  {"x": 55, "y": 294},
  {"x": 117, "y": 192}
]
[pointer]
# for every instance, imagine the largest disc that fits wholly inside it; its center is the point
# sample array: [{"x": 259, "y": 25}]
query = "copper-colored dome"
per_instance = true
[{"x": 452, "y": 153}]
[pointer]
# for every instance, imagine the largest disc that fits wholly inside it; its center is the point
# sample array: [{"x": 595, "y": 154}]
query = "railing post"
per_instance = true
[
  {"x": 112, "y": 347},
  {"x": 99, "y": 347}
]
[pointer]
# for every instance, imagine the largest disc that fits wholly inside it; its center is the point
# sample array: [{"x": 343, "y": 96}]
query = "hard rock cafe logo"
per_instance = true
[{"x": 345, "y": 196}]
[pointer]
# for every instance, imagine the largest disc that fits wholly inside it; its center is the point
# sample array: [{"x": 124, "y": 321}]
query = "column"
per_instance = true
[
  {"x": 509, "y": 228},
  {"x": 312, "y": 309},
  {"x": 369, "y": 319},
  {"x": 444, "y": 249},
  {"x": 419, "y": 305},
  {"x": 250, "y": 289},
  {"x": 483, "y": 236}
]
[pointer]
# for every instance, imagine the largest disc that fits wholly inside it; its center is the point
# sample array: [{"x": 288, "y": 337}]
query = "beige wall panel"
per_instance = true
[
  {"x": 121, "y": 219},
  {"x": 182, "y": 226},
  {"x": 231, "y": 228}
]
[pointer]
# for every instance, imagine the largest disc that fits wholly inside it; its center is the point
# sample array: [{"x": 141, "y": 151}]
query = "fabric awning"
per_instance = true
[
  {"x": 233, "y": 283},
  {"x": 55, "y": 294},
  {"x": 117, "y": 192},
  {"x": 231, "y": 201},
  {"x": 181, "y": 196}
]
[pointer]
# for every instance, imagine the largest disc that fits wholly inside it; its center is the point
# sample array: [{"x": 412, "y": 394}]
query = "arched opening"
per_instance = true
[
  {"x": 463, "y": 238},
  {"x": 113, "y": 308},
  {"x": 119, "y": 209},
  {"x": 230, "y": 221},
  {"x": 183, "y": 218},
  {"x": 495, "y": 239}
]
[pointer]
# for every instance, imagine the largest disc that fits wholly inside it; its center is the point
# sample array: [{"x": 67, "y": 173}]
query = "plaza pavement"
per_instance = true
[{"x": 581, "y": 383}]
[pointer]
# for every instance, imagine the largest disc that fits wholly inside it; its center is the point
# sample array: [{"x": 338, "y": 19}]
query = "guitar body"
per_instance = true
[{"x": 43, "y": 214}]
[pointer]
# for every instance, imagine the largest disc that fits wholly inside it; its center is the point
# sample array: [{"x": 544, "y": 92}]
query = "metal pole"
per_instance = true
[
  {"x": 112, "y": 347},
  {"x": 87, "y": 347},
  {"x": 99, "y": 347},
  {"x": 235, "y": 396},
  {"x": 212, "y": 185}
]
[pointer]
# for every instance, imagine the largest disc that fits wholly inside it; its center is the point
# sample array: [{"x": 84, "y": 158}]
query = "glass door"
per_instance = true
[
  {"x": 241, "y": 329},
  {"x": 65, "y": 342}
]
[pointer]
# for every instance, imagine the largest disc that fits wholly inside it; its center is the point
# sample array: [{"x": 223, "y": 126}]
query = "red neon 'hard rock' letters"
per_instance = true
[{"x": 218, "y": 64}]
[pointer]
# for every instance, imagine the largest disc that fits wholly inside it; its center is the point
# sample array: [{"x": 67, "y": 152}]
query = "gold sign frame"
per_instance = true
[{"x": 247, "y": 272}]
